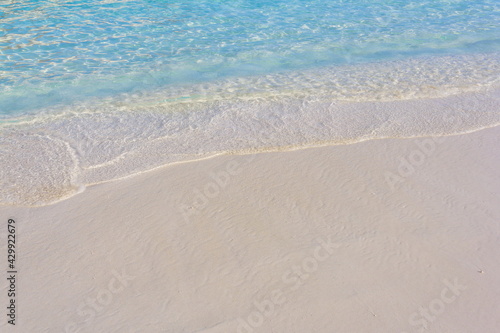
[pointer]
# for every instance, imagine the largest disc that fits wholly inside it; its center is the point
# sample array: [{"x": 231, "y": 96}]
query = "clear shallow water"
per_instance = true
[
  {"x": 92, "y": 91},
  {"x": 61, "y": 51}
]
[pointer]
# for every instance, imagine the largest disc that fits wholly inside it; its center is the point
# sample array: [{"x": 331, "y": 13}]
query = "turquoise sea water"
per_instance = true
[
  {"x": 100, "y": 89},
  {"x": 62, "y": 51}
]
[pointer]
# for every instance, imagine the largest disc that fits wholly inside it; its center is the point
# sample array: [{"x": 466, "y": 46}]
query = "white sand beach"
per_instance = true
[
  {"x": 250, "y": 166},
  {"x": 391, "y": 235}
]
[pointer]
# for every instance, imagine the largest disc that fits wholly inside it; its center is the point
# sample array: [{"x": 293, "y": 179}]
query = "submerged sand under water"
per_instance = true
[{"x": 55, "y": 153}]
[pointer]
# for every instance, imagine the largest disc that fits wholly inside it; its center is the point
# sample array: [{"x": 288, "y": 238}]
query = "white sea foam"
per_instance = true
[{"x": 55, "y": 153}]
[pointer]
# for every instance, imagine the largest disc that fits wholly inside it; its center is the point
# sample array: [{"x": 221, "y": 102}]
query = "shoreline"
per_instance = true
[
  {"x": 83, "y": 187},
  {"x": 58, "y": 159}
]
